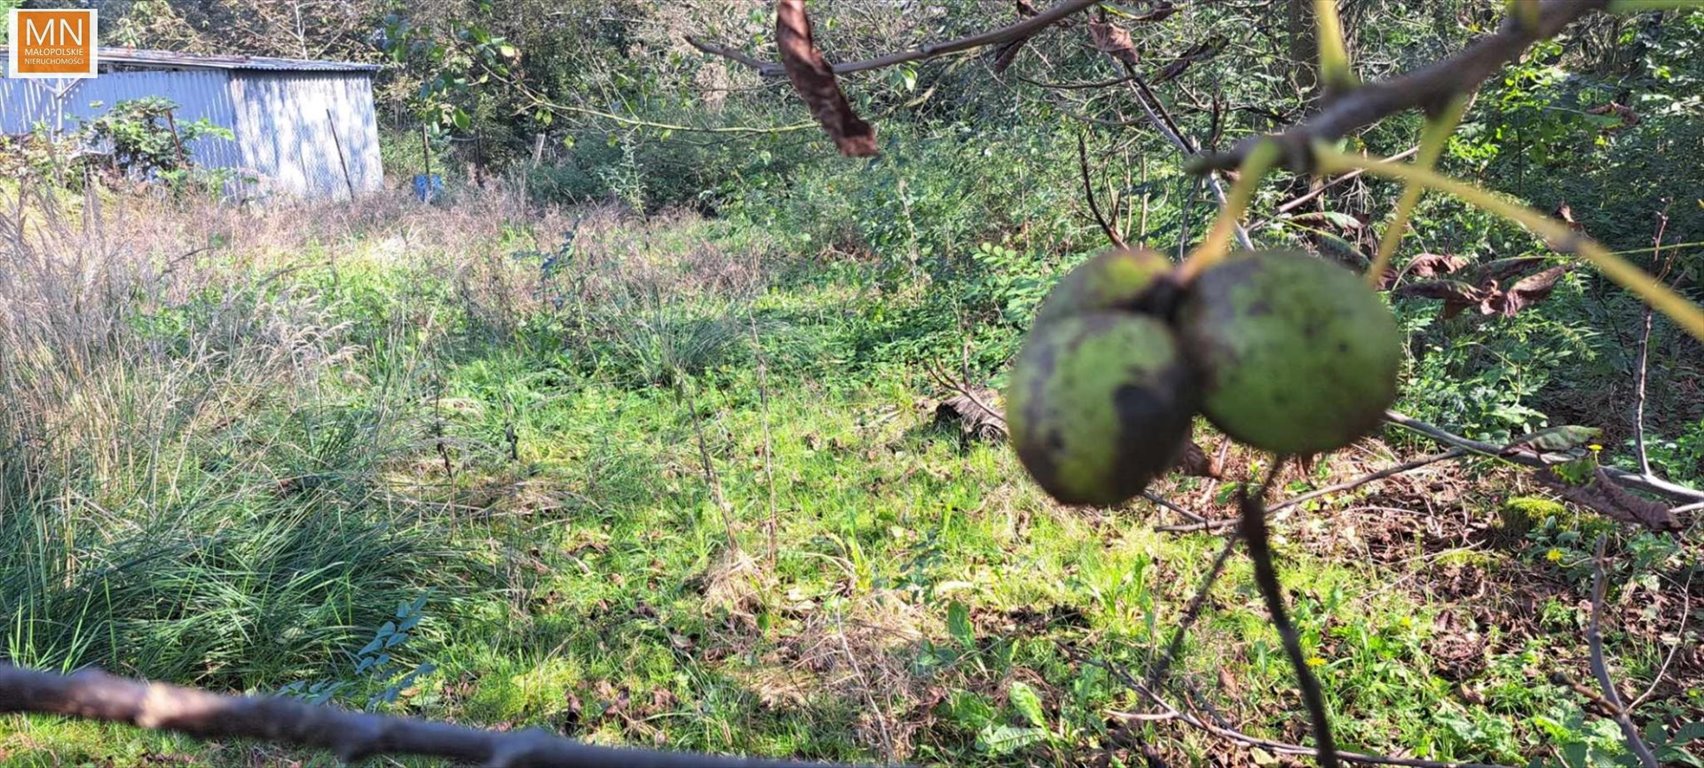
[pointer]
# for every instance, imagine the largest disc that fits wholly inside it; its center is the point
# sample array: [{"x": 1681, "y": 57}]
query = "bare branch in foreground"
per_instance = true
[
  {"x": 1254, "y": 533},
  {"x": 1655, "y": 485},
  {"x": 1024, "y": 28},
  {"x": 352, "y": 736},
  {"x": 1594, "y": 638},
  {"x": 1426, "y": 88}
]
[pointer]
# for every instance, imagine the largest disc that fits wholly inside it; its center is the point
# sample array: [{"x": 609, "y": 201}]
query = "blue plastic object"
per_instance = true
[{"x": 427, "y": 187}]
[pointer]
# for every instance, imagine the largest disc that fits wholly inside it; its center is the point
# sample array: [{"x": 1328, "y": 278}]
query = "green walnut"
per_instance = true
[
  {"x": 1099, "y": 404},
  {"x": 1124, "y": 279},
  {"x": 1297, "y": 354}
]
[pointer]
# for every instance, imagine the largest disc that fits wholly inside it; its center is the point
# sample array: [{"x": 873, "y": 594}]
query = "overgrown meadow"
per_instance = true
[
  {"x": 675, "y": 480},
  {"x": 642, "y": 442}
]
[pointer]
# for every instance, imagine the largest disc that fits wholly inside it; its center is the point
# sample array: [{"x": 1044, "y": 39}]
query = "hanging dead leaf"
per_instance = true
[
  {"x": 1434, "y": 264},
  {"x": 1502, "y": 270},
  {"x": 1008, "y": 53},
  {"x": 1203, "y": 50},
  {"x": 1456, "y": 294},
  {"x": 1112, "y": 40},
  {"x": 813, "y": 79},
  {"x": 1609, "y": 499},
  {"x": 1531, "y": 289}
]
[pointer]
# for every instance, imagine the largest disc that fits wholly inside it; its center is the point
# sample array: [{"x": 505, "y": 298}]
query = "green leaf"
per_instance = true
[
  {"x": 1005, "y": 739},
  {"x": 461, "y": 119},
  {"x": 958, "y": 624},
  {"x": 1028, "y": 703}
]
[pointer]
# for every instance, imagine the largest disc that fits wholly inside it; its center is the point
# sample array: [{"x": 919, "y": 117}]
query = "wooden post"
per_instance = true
[
  {"x": 338, "y": 143},
  {"x": 426, "y": 152},
  {"x": 177, "y": 140}
]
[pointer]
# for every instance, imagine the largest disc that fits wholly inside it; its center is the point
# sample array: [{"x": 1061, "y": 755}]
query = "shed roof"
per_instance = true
[{"x": 141, "y": 57}]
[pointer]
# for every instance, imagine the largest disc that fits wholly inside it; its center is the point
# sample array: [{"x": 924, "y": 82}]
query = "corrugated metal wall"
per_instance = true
[
  {"x": 198, "y": 94},
  {"x": 291, "y": 126}
]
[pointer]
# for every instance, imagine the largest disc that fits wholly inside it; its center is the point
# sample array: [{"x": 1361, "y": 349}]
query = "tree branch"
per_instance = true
[
  {"x": 95, "y": 695},
  {"x": 1348, "y": 485},
  {"x": 1089, "y": 192},
  {"x": 1594, "y": 640},
  {"x": 1254, "y": 533},
  {"x": 1645, "y": 483},
  {"x": 1427, "y": 88},
  {"x": 1024, "y": 28}
]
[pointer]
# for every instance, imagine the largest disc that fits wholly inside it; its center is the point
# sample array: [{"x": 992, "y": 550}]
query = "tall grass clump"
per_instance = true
[{"x": 186, "y": 491}]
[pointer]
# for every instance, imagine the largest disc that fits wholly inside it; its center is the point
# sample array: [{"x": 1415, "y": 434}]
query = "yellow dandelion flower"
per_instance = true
[
  {"x": 1316, "y": 662},
  {"x": 1554, "y": 555},
  {"x": 1595, "y": 447}
]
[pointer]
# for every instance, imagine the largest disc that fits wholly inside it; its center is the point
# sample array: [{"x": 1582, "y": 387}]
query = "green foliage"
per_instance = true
[
  {"x": 143, "y": 141},
  {"x": 374, "y": 667}
]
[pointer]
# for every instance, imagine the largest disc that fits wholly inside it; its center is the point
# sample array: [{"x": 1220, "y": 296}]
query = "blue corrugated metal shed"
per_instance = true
[{"x": 304, "y": 128}]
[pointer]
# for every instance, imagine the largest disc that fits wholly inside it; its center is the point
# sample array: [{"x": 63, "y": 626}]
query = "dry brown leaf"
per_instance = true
[
  {"x": 813, "y": 79},
  {"x": 1434, "y": 264},
  {"x": 1628, "y": 117},
  {"x": 1532, "y": 289},
  {"x": 1456, "y": 294},
  {"x": 1503, "y": 269},
  {"x": 1195, "y": 462},
  {"x": 1203, "y": 50},
  {"x": 1112, "y": 40},
  {"x": 1008, "y": 53},
  {"x": 976, "y": 417}
]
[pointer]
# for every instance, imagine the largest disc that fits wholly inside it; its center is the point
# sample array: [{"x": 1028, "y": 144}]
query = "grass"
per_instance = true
[{"x": 233, "y": 467}]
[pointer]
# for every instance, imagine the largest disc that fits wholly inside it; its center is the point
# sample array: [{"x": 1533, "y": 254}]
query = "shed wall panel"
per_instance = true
[{"x": 292, "y": 128}]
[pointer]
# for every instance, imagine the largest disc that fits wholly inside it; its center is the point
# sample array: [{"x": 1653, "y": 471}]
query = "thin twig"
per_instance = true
[
  {"x": 1157, "y": 116},
  {"x": 938, "y": 372},
  {"x": 1089, "y": 192},
  {"x": 1594, "y": 639},
  {"x": 1423, "y": 88},
  {"x": 1301, "y": 200},
  {"x": 768, "y": 443},
  {"x": 1656, "y": 485},
  {"x": 1157, "y": 675},
  {"x": 1662, "y": 671},
  {"x": 1161, "y": 501},
  {"x": 95, "y": 695},
  {"x": 1347, "y": 485},
  {"x": 1025, "y": 28},
  {"x": 1641, "y": 375},
  {"x": 1266, "y": 577}
]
